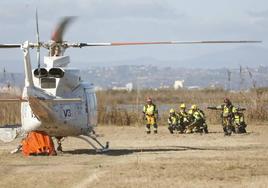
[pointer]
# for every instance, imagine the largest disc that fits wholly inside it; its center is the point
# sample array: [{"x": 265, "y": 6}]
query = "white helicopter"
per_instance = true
[{"x": 55, "y": 100}]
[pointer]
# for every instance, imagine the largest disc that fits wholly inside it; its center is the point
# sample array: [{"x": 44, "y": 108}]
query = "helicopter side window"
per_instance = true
[{"x": 48, "y": 83}]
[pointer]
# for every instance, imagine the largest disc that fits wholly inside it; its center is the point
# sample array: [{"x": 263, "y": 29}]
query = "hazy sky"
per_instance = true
[{"x": 133, "y": 20}]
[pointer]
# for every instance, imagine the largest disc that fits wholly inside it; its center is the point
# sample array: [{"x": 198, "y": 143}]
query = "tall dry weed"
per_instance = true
[
  {"x": 111, "y": 111},
  {"x": 125, "y": 108},
  {"x": 9, "y": 112}
]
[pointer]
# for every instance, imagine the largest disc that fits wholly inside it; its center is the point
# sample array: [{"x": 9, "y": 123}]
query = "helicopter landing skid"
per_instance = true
[{"x": 98, "y": 150}]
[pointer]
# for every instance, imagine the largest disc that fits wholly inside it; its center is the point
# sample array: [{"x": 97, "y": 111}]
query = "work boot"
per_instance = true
[
  {"x": 155, "y": 128},
  {"x": 196, "y": 130},
  {"x": 229, "y": 130},
  {"x": 188, "y": 131},
  {"x": 170, "y": 130},
  {"x": 225, "y": 131},
  {"x": 233, "y": 129},
  {"x": 242, "y": 130},
  {"x": 148, "y": 129}
]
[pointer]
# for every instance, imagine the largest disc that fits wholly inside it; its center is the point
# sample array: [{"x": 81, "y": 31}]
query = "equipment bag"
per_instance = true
[{"x": 38, "y": 143}]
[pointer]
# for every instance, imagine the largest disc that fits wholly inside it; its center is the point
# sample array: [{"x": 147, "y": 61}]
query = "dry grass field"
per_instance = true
[
  {"x": 136, "y": 159},
  {"x": 139, "y": 160}
]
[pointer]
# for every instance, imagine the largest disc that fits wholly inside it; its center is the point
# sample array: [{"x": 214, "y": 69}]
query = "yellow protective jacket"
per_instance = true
[
  {"x": 183, "y": 116},
  {"x": 198, "y": 115},
  {"x": 227, "y": 111},
  {"x": 238, "y": 118},
  {"x": 150, "y": 110},
  {"x": 173, "y": 119}
]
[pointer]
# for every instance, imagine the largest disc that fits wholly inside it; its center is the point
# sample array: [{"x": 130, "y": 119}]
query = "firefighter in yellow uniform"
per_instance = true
[
  {"x": 197, "y": 121},
  {"x": 193, "y": 116},
  {"x": 150, "y": 113},
  {"x": 191, "y": 119},
  {"x": 183, "y": 118},
  {"x": 227, "y": 116},
  {"x": 239, "y": 121},
  {"x": 173, "y": 121}
]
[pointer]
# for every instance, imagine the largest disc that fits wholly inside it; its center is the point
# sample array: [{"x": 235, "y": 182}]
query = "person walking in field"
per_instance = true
[{"x": 150, "y": 114}]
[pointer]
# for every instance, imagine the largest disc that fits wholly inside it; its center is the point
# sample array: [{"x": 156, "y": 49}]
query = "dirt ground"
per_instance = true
[{"x": 139, "y": 160}]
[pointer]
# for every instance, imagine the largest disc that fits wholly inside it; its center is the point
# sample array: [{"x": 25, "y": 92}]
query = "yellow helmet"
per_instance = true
[
  {"x": 171, "y": 111},
  {"x": 190, "y": 112},
  {"x": 182, "y": 105},
  {"x": 234, "y": 110},
  {"x": 194, "y": 107}
]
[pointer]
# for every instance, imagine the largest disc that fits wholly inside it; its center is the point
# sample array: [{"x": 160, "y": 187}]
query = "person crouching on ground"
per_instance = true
[{"x": 173, "y": 121}]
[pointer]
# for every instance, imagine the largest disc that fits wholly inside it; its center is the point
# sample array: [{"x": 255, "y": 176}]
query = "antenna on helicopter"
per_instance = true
[{"x": 38, "y": 41}]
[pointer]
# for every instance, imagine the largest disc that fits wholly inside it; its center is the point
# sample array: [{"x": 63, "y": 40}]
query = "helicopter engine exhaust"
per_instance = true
[
  {"x": 56, "y": 73},
  {"x": 40, "y": 73}
]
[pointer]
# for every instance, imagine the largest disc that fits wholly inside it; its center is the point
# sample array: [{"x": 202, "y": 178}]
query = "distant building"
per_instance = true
[
  {"x": 98, "y": 88},
  {"x": 164, "y": 87},
  {"x": 178, "y": 84},
  {"x": 194, "y": 87},
  {"x": 128, "y": 87}
]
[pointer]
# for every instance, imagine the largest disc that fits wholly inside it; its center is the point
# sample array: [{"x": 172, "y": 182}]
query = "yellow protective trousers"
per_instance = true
[{"x": 150, "y": 121}]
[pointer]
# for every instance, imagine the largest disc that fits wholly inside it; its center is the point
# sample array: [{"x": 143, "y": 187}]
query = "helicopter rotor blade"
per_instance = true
[
  {"x": 10, "y": 45},
  {"x": 57, "y": 35},
  {"x": 165, "y": 42}
]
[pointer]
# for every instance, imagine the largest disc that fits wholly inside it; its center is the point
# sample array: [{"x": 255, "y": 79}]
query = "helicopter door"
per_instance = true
[{"x": 91, "y": 107}]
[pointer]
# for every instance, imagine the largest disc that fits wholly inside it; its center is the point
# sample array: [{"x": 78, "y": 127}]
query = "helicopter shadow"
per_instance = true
[{"x": 120, "y": 152}]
